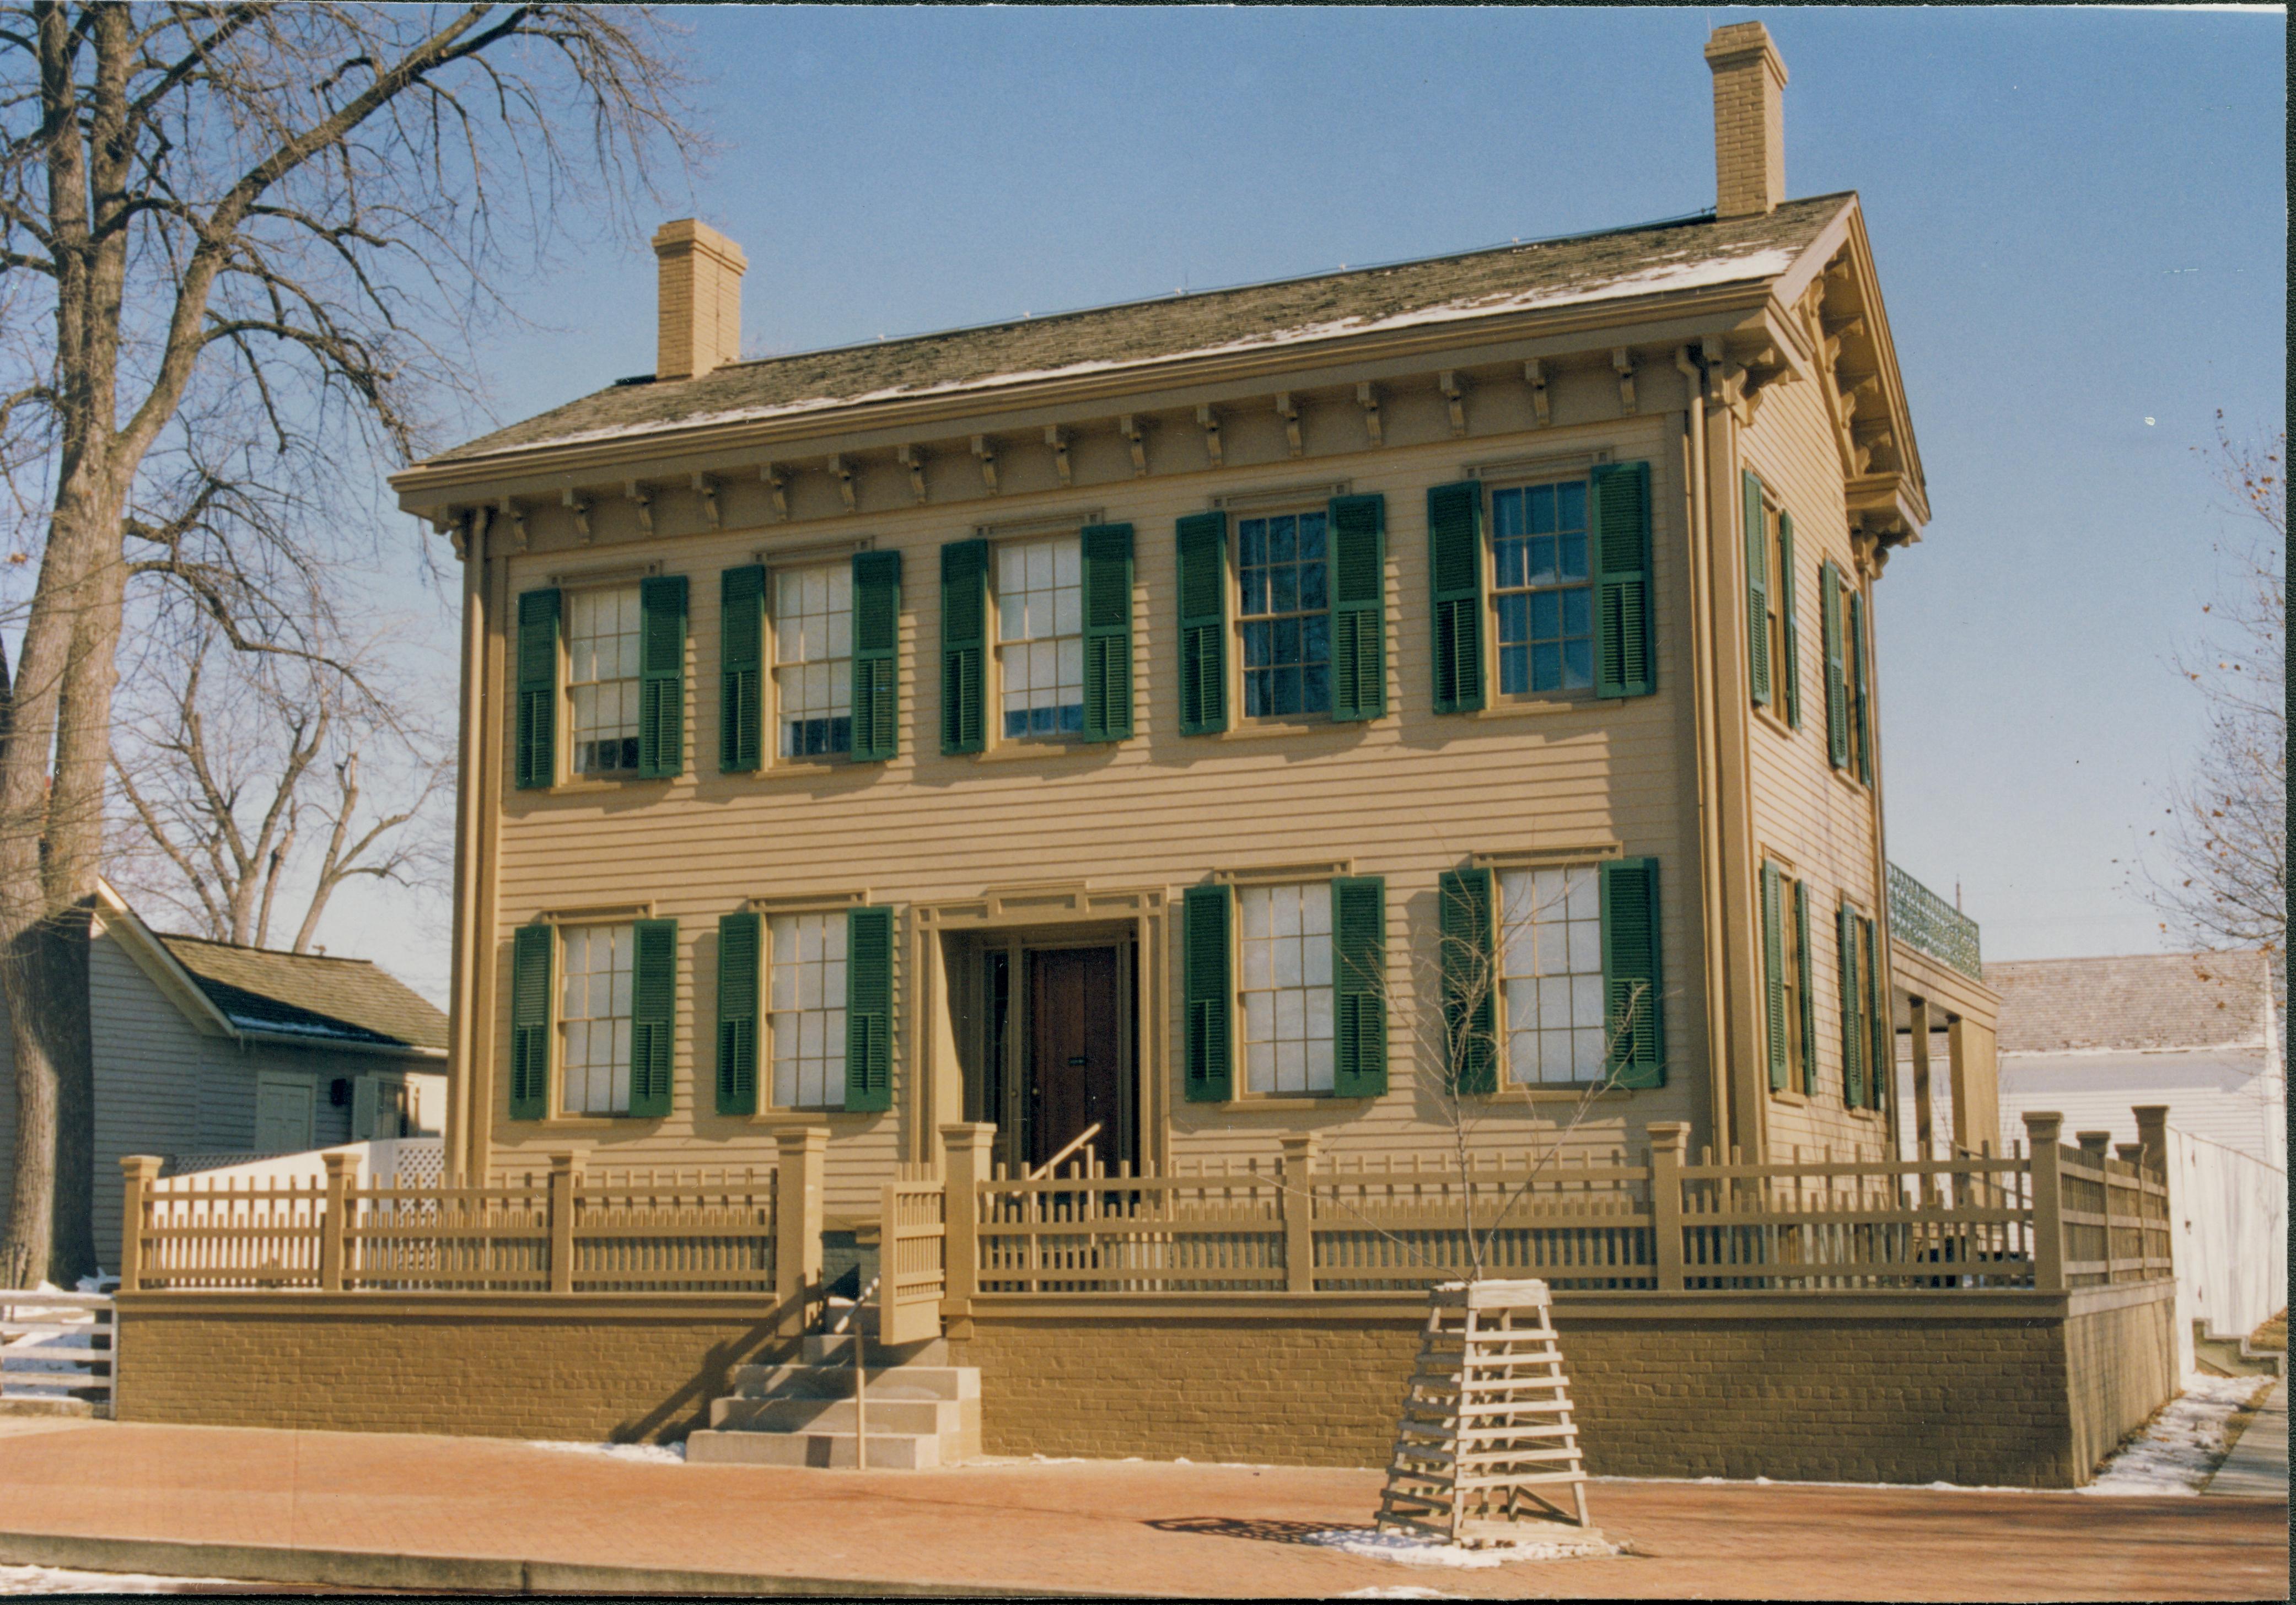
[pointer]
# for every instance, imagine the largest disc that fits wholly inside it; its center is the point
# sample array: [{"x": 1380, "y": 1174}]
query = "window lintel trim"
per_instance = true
[
  {"x": 600, "y": 575},
  {"x": 596, "y": 913},
  {"x": 806, "y": 902},
  {"x": 811, "y": 551},
  {"x": 1040, "y": 525},
  {"x": 1285, "y": 874},
  {"x": 1274, "y": 498},
  {"x": 1513, "y": 858},
  {"x": 1505, "y": 472}
]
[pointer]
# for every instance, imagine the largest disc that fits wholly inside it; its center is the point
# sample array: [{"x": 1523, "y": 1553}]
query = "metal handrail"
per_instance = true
[{"x": 1079, "y": 1141}]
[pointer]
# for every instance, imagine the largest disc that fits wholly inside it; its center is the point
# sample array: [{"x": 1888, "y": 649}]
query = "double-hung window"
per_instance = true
[
  {"x": 1788, "y": 1026},
  {"x": 602, "y": 629},
  {"x": 1549, "y": 973},
  {"x": 806, "y": 976},
  {"x": 1542, "y": 589},
  {"x": 1285, "y": 946},
  {"x": 1283, "y": 615},
  {"x": 595, "y": 1010},
  {"x": 1040, "y": 636},
  {"x": 812, "y": 659}
]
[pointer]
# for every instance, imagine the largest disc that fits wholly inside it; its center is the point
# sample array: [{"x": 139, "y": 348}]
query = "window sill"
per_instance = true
[
  {"x": 1020, "y": 751},
  {"x": 1516, "y": 707},
  {"x": 587, "y": 1122},
  {"x": 1767, "y": 716},
  {"x": 1788, "y": 1096},
  {"x": 564, "y": 788},
  {"x": 1549, "y": 1093},
  {"x": 1857, "y": 788},
  {"x": 1281, "y": 729},
  {"x": 1294, "y": 1102},
  {"x": 794, "y": 768}
]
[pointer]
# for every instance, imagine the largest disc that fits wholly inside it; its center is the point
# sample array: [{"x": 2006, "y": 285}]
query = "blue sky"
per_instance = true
[{"x": 2078, "y": 217}]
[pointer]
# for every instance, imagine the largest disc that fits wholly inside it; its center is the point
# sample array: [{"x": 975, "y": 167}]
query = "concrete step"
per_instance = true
[
  {"x": 836, "y": 1381},
  {"x": 836, "y": 1348},
  {"x": 888, "y": 1451},
  {"x": 936, "y": 1416}
]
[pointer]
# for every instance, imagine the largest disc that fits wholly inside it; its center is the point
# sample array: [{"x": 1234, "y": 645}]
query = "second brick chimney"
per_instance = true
[
  {"x": 1750, "y": 132},
  {"x": 699, "y": 298}
]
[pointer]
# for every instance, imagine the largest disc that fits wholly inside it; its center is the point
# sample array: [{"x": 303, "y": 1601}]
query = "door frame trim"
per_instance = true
[{"x": 932, "y": 1082}]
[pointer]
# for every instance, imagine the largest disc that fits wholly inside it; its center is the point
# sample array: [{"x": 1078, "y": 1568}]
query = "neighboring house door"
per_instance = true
[
  {"x": 1076, "y": 1058},
  {"x": 284, "y": 1107}
]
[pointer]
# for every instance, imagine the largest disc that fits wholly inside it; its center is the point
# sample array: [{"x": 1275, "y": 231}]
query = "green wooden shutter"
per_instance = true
[
  {"x": 740, "y": 669},
  {"x": 964, "y": 647},
  {"x": 662, "y": 676},
  {"x": 1202, "y": 539},
  {"x": 1880, "y": 1019},
  {"x": 876, "y": 656},
  {"x": 1853, "y": 1029},
  {"x": 1808, "y": 1024},
  {"x": 1107, "y": 551},
  {"x": 1837, "y": 714},
  {"x": 1758, "y": 593},
  {"x": 1207, "y": 986},
  {"x": 1773, "y": 977},
  {"x": 740, "y": 938},
  {"x": 1789, "y": 629},
  {"x": 529, "y": 1020},
  {"x": 869, "y": 1008},
  {"x": 1358, "y": 526},
  {"x": 536, "y": 766},
  {"x": 1634, "y": 1023},
  {"x": 1359, "y": 986},
  {"x": 1626, "y": 648},
  {"x": 1861, "y": 697},
  {"x": 1455, "y": 565},
  {"x": 1469, "y": 967},
  {"x": 653, "y": 1014}
]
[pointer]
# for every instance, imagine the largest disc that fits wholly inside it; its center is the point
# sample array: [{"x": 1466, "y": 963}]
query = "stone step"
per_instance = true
[
  {"x": 888, "y": 1451},
  {"x": 836, "y": 1348},
  {"x": 836, "y": 1381},
  {"x": 937, "y": 1416}
]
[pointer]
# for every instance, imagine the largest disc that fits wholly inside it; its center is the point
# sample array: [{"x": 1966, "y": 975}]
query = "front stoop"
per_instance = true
[{"x": 922, "y": 1412}]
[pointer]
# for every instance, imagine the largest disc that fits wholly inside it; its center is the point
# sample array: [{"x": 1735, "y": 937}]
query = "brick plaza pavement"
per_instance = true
[{"x": 1113, "y": 1526}]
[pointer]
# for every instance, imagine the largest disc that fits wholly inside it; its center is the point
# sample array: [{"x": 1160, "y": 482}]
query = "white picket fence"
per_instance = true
[{"x": 57, "y": 1347}]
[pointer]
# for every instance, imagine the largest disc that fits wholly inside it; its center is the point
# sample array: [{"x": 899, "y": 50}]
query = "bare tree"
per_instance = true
[
  {"x": 242, "y": 775},
  {"x": 261, "y": 235},
  {"x": 2226, "y": 833}
]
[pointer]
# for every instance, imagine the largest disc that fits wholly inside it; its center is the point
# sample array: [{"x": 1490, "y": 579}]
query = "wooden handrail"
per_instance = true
[{"x": 1079, "y": 1141}]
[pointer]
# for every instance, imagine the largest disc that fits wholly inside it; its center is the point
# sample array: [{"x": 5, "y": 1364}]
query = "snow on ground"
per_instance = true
[
  {"x": 2185, "y": 1443},
  {"x": 653, "y": 1454},
  {"x": 1414, "y": 1550},
  {"x": 51, "y": 1579}
]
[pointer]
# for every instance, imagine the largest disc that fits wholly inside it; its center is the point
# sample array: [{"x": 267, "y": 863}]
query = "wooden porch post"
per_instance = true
[
  {"x": 2041, "y": 1130},
  {"x": 1668, "y": 1140},
  {"x": 2152, "y": 1143},
  {"x": 340, "y": 1167},
  {"x": 565, "y": 1174},
  {"x": 1297, "y": 1199},
  {"x": 796, "y": 1224},
  {"x": 965, "y": 1146},
  {"x": 138, "y": 1171}
]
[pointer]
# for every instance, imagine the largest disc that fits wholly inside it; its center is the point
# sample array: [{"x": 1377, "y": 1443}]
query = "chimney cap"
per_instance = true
[
  {"x": 1733, "y": 42},
  {"x": 694, "y": 233}
]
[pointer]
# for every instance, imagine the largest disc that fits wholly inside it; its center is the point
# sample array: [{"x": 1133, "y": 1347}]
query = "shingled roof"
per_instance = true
[
  {"x": 1650, "y": 259},
  {"x": 343, "y": 1001},
  {"x": 2147, "y": 1001}
]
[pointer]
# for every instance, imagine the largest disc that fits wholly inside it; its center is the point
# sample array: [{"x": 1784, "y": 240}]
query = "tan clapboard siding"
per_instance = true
[
  {"x": 1802, "y": 809},
  {"x": 1404, "y": 797}
]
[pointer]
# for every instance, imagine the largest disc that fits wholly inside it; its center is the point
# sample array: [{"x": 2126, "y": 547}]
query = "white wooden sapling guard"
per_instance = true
[{"x": 1486, "y": 1451}]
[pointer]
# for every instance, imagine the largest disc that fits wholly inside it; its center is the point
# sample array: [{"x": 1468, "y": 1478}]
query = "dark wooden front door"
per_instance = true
[{"x": 1076, "y": 1050}]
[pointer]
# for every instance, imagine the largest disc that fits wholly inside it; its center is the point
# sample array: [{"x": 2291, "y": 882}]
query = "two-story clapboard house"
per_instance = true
[{"x": 1124, "y": 724}]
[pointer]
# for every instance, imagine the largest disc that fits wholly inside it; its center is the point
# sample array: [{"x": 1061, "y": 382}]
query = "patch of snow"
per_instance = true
[
  {"x": 1411, "y": 1550},
  {"x": 651, "y": 1455},
  {"x": 52, "y": 1579},
  {"x": 1669, "y": 274},
  {"x": 2185, "y": 1443}
]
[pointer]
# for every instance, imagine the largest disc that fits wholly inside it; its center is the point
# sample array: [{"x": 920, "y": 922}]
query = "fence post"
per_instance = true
[
  {"x": 797, "y": 1224},
  {"x": 565, "y": 1174},
  {"x": 965, "y": 1147},
  {"x": 1297, "y": 1199},
  {"x": 2152, "y": 1160},
  {"x": 1668, "y": 1141},
  {"x": 138, "y": 1171},
  {"x": 331, "y": 1241},
  {"x": 2041, "y": 1130}
]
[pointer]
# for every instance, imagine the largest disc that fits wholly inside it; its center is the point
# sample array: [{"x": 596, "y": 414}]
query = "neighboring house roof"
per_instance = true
[
  {"x": 2141, "y": 1003},
  {"x": 1619, "y": 264},
  {"x": 310, "y": 995}
]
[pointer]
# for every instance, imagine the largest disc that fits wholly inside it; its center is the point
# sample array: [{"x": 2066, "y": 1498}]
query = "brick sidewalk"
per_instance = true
[{"x": 1095, "y": 1525}]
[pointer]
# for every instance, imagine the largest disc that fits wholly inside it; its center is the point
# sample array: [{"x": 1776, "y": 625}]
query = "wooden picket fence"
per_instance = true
[{"x": 57, "y": 1348}]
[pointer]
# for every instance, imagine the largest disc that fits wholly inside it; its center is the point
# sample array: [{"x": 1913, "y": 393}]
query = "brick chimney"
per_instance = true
[
  {"x": 700, "y": 299},
  {"x": 1750, "y": 131}
]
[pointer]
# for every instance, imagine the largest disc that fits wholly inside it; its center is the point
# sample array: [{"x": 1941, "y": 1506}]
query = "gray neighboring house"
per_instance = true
[{"x": 209, "y": 1053}]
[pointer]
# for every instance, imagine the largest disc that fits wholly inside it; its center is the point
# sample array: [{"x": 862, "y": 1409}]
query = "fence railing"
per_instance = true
[
  {"x": 2048, "y": 1219},
  {"x": 910, "y": 1274},
  {"x": 56, "y": 1347},
  {"x": 1920, "y": 918}
]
